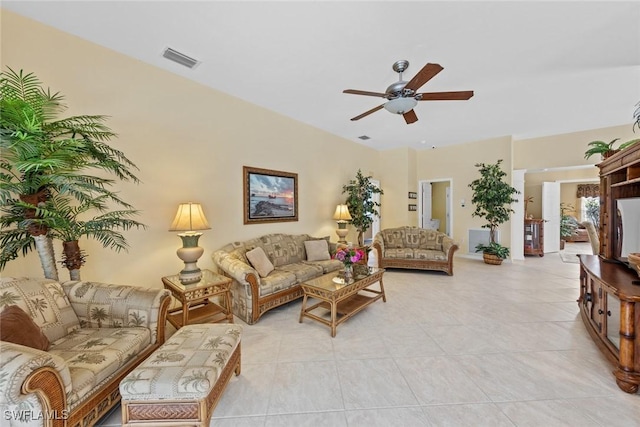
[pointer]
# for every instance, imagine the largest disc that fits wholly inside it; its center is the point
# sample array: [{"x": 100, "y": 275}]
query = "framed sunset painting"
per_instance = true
[{"x": 269, "y": 195}]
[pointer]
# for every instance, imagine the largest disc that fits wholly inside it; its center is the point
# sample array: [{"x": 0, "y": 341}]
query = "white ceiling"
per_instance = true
[{"x": 537, "y": 67}]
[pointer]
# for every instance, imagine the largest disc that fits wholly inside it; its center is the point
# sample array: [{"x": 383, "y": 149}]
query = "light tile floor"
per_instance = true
[{"x": 490, "y": 346}]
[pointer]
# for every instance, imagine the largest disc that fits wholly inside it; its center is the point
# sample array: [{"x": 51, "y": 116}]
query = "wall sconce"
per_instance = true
[
  {"x": 342, "y": 216},
  {"x": 190, "y": 219}
]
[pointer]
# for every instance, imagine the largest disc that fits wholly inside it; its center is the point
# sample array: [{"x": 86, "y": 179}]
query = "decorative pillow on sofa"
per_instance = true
[
  {"x": 17, "y": 327},
  {"x": 317, "y": 250},
  {"x": 259, "y": 261},
  {"x": 54, "y": 315}
]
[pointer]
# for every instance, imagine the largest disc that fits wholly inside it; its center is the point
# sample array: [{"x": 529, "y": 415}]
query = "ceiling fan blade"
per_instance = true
[
  {"x": 366, "y": 113},
  {"x": 427, "y": 73},
  {"x": 462, "y": 95},
  {"x": 364, "y": 92},
  {"x": 410, "y": 117}
]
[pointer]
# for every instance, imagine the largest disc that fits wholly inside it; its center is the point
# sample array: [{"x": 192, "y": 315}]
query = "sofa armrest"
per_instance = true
[
  {"x": 378, "y": 245},
  {"x": 449, "y": 246},
  {"x": 102, "y": 305},
  {"x": 32, "y": 382},
  {"x": 242, "y": 272}
]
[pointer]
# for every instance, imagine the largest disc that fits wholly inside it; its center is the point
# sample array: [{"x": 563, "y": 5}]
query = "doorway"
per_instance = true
[{"x": 435, "y": 205}]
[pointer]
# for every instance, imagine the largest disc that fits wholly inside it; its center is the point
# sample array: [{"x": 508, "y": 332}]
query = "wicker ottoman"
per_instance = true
[{"x": 182, "y": 381}]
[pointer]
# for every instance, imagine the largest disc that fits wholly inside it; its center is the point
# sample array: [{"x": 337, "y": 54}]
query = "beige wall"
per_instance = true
[
  {"x": 398, "y": 177},
  {"x": 190, "y": 143},
  {"x": 569, "y": 180},
  {"x": 458, "y": 164},
  {"x": 559, "y": 151}
]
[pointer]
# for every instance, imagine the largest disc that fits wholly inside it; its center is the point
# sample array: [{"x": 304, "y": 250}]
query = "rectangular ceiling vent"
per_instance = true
[
  {"x": 180, "y": 58},
  {"x": 364, "y": 137}
]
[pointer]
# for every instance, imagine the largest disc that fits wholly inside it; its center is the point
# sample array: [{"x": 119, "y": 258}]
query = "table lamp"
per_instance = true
[
  {"x": 342, "y": 216},
  {"x": 190, "y": 219}
]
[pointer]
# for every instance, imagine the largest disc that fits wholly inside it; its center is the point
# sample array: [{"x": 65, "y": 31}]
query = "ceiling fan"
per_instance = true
[{"x": 402, "y": 96}]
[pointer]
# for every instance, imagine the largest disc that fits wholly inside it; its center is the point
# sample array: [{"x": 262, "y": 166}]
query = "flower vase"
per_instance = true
[{"x": 348, "y": 273}]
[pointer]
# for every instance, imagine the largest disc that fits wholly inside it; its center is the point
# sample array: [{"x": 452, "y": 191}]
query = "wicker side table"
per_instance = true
[{"x": 195, "y": 299}]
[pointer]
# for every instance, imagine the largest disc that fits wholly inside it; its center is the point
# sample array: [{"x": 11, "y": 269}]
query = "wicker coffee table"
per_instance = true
[{"x": 342, "y": 300}]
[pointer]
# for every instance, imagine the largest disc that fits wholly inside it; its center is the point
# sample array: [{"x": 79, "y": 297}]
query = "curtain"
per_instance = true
[{"x": 588, "y": 190}]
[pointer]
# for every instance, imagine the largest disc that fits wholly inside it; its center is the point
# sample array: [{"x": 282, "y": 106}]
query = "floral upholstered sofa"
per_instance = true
[
  {"x": 415, "y": 248},
  {"x": 89, "y": 336},
  {"x": 291, "y": 259}
]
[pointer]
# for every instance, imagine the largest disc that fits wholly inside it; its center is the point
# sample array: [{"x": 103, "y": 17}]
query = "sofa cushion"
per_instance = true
[
  {"x": 95, "y": 354},
  {"x": 283, "y": 249},
  {"x": 399, "y": 253},
  {"x": 394, "y": 238},
  {"x": 303, "y": 271},
  {"x": 260, "y": 261},
  {"x": 317, "y": 250},
  {"x": 429, "y": 254},
  {"x": 433, "y": 240},
  {"x": 327, "y": 266},
  {"x": 44, "y": 301},
  {"x": 17, "y": 327},
  {"x": 414, "y": 237},
  {"x": 277, "y": 281}
]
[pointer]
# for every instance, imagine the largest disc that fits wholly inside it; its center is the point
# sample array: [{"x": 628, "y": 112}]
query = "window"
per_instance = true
[{"x": 590, "y": 210}]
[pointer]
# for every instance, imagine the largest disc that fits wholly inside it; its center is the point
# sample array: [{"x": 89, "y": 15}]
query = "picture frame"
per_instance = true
[
  {"x": 269, "y": 195},
  {"x": 413, "y": 195},
  {"x": 413, "y": 207}
]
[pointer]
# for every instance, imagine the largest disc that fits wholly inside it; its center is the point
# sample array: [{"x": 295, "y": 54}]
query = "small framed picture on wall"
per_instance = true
[
  {"x": 413, "y": 195},
  {"x": 413, "y": 207}
]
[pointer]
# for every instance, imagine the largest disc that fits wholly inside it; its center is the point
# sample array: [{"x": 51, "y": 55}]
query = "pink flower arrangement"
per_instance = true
[{"x": 349, "y": 256}]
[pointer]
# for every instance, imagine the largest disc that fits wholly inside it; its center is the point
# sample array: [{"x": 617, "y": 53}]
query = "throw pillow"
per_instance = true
[
  {"x": 260, "y": 261},
  {"x": 317, "y": 250},
  {"x": 17, "y": 327}
]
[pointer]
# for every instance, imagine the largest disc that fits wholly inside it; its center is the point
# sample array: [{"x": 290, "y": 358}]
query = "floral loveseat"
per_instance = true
[
  {"x": 95, "y": 335},
  {"x": 254, "y": 293},
  {"x": 415, "y": 248}
]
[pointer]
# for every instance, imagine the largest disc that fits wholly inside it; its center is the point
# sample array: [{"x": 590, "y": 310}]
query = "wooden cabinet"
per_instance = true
[
  {"x": 609, "y": 299},
  {"x": 534, "y": 237},
  {"x": 610, "y": 309}
]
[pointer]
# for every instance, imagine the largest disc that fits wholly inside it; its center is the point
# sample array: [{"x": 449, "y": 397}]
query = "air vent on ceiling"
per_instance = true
[
  {"x": 364, "y": 137},
  {"x": 180, "y": 58}
]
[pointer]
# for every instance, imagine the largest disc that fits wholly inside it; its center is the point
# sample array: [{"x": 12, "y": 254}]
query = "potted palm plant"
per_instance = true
[
  {"x": 360, "y": 203},
  {"x": 606, "y": 149},
  {"x": 568, "y": 225},
  {"x": 65, "y": 223},
  {"x": 492, "y": 198},
  {"x": 43, "y": 156}
]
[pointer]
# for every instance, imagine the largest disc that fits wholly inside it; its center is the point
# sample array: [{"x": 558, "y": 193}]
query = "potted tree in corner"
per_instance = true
[
  {"x": 492, "y": 198},
  {"x": 360, "y": 202}
]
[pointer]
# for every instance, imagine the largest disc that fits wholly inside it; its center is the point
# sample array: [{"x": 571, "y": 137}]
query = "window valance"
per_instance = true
[{"x": 588, "y": 190}]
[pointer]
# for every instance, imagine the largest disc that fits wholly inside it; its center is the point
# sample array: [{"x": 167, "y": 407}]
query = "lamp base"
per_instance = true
[
  {"x": 342, "y": 234},
  {"x": 190, "y": 277},
  {"x": 190, "y": 253}
]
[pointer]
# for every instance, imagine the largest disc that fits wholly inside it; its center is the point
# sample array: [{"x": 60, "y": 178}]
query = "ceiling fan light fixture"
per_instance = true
[{"x": 400, "y": 105}]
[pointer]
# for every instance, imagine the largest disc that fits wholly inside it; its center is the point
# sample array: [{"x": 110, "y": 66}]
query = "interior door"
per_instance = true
[
  {"x": 551, "y": 216},
  {"x": 426, "y": 194}
]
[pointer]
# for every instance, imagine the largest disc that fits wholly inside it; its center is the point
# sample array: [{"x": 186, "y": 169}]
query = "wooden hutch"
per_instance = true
[
  {"x": 534, "y": 237},
  {"x": 610, "y": 291}
]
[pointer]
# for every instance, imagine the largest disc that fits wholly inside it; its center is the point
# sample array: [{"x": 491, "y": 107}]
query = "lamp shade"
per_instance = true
[
  {"x": 189, "y": 217},
  {"x": 400, "y": 105},
  {"x": 342, "y": 213}
]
